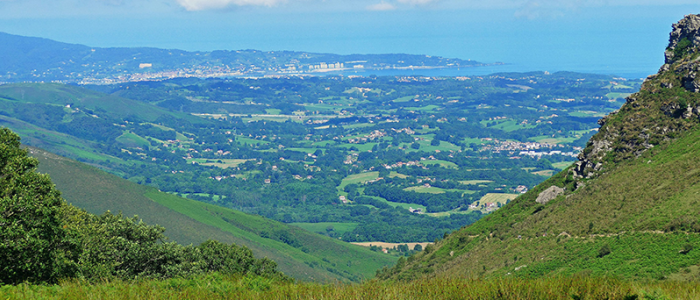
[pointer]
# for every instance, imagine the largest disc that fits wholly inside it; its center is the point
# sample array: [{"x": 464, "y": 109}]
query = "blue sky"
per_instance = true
[{"x": 613, "y": 36}]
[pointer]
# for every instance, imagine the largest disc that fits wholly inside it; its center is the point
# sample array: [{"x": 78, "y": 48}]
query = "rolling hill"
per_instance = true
[
  {"x": 628, "y": 208},
  {"x": 299, "y": 253},
  {"x": 43, "y": 60}
]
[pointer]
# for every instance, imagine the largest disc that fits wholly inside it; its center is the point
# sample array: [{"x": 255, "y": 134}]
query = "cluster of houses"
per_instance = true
[
  {"x": 529, "y": 148},
  {"x": 369, "y": 137}
]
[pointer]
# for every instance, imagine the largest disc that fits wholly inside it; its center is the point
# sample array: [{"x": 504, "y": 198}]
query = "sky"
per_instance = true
[{"x": 623, "y": 37}]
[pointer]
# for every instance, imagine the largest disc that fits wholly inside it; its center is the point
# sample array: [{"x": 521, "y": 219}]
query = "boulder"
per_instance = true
[{"x": 549, "y": 194}]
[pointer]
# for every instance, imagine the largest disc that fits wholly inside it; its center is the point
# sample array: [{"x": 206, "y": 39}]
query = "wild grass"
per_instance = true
[
  {"x": 215, "y": 286},
  {"x": 192, "y": 222}
]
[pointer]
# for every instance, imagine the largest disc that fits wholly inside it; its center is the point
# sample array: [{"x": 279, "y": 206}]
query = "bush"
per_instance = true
[
  {"x": 43, "y": 239},
  {"x": 30, "y": 227},
  {"x": 603, "y": 251}
]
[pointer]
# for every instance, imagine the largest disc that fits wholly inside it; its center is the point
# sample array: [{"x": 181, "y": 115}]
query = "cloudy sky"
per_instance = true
[{"x": 614, "y": 35}]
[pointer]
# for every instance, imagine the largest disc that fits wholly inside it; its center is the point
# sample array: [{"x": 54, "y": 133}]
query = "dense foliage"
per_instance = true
[{"x": 43, "y": 239}]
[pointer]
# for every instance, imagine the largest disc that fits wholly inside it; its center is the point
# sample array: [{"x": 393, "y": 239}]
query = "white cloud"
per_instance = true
[
  {"x": 194, "y": 5},
  {"x": 383, "y": 6}
]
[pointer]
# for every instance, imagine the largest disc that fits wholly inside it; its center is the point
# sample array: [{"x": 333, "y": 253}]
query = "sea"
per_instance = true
[{"x": 625, "y": 41}]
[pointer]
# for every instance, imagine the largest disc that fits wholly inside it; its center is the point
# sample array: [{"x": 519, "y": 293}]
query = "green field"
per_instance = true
[
  {"x": 562, "y": 165},
  {"x": 475, "y": 182},
  {"x": 587, "y": 114},
  {"x": 358, "y": 179},
  {"x": 220, "y": 163},
  {"x": 615, "y": 95},
  {"x": 498, "y": 198},
  {"x": 424, "y": 189},
  {"x": 249, "y": 141},
  {"x": 434, "y": 190},
  {"x": 402, "y": 205},
  {"x": 130, "y": 139},
  {"x": 403, "y": 99},
  {"x": 508, "y": 125},
  {"x": 442, "y": 163},
  {"x": 553, "y": 140}
]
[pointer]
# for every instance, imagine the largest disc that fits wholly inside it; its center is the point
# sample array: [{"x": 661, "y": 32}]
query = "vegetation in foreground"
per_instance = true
[
  {"x": 216, "y": 286},
  {"x": 43, "y": 239},
  {"x": 300, "y": 254}
]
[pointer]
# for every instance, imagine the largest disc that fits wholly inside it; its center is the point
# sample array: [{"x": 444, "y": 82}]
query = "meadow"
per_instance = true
[{"x": 215, "y": 286}]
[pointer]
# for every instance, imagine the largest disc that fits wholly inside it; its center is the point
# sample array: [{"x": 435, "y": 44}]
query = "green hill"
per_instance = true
[
  {"x": 74, "y": 121},
  {"x": 628, "y": 208},
  {"x": 299, "y": 253}
]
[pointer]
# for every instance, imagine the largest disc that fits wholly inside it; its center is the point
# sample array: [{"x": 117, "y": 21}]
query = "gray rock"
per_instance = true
[
  {"x": 688, "y": 27},
  {"x": 549, "y": 194}
]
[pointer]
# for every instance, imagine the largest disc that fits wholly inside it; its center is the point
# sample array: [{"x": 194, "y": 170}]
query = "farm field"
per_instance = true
[{"x": 328, "y": 149}]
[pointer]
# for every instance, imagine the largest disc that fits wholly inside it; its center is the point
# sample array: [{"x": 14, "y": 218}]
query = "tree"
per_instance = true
[{"x": 30, "y": 227}]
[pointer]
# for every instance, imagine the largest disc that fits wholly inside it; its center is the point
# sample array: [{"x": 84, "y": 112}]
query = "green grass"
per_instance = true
[
  {"x": 553, "y": 140},
  {"x": 219, "y": 163},
  {"x": 643, "y": 211},
  {"x": 358, "y": 125},
  {"x": 403, "y": 99},
  {"x": 305, "y": 150},
  {"x": 615, "y": 95},
  {"x": 192, "y": 222},
  {"x": 475, "y": 182},
  {"x": 249, "y": 141},
  {"x": 397, "y": 204},
  {"x": 442, "y": 163},
  {"x": 509, "y": 125},
  {"x": 562, "y": 165},
  {"x": 497, "y": 198},
  {"x": 360, "y": 147},
  {"x": 426, "y": 190},
  {"x": 435, "y": 190},
  {"x": 586, "y": 114},
  {"x": 425, "y": 146},
  {"x": 427, "y": 108},
  {"x": 51, "y": 93},
  {"x": 130, "y": 139},
  {"x": 358, "y": 179},
  {"x": 214, "y": 287}
]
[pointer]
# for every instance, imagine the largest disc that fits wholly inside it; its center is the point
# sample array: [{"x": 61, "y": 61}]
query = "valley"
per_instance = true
[
  {"x": 530, "y": 185},
  {"x": 383, "y": 159}
]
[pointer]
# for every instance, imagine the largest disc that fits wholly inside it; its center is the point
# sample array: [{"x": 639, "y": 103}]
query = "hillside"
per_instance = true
[
  {"x": 44, "y": 60},
  {"x": 298, "y": 253},
  {"x": 627, "y": 208}
]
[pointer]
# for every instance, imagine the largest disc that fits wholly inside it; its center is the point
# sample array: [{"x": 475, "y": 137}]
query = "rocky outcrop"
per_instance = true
[
  {"x": 687, "y": 28},
  {"x": 646, "y": 118},
  {"x": 549, "y": 194}
]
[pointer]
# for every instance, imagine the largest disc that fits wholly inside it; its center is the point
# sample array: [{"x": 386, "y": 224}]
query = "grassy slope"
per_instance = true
[
  {"x": 188, "y": 221},
  {"x": 636, "y": 215},
  {"x": 645, "y": 211},
  {"x": 58, "y": 94}
]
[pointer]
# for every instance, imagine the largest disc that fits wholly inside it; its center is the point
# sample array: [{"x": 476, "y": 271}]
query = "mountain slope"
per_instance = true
[
  {"x": 300, "y": 254},
  {"x": 628, "y": 208}
]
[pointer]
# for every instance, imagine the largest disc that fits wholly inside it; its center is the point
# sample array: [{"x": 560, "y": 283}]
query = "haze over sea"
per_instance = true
[{"x": 619, "y": 39}]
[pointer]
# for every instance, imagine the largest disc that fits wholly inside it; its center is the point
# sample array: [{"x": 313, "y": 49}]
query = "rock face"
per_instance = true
[
  {"x": 549, "y": 194},
  {"x": 668, "y": 103},
  {"x": 687, "y": 28}
]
